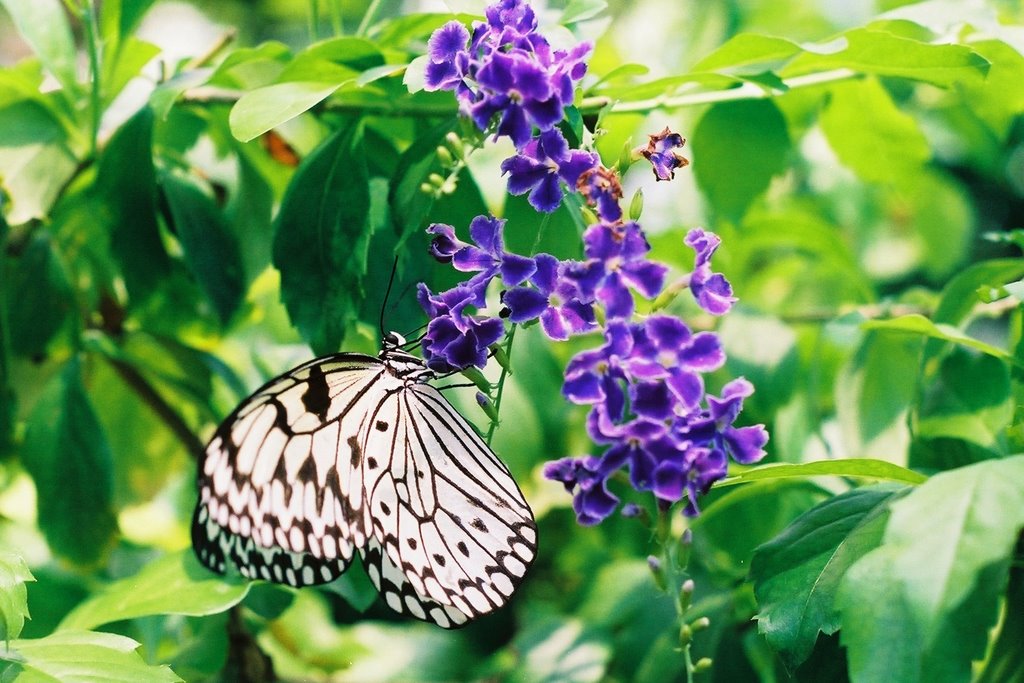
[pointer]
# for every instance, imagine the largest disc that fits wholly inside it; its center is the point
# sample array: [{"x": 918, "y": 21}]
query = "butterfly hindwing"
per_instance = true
[{"x": 446, "y": 511}]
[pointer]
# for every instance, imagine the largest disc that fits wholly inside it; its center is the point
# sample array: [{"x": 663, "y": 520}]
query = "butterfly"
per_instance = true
[{"x": 353, "y": 454}]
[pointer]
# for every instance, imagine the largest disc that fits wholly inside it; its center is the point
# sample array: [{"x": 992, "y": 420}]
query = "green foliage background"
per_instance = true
[{"x": 174, "y": 234}]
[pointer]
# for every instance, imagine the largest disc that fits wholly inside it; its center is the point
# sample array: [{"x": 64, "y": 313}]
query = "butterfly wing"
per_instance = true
[
  {"x": 447, "y": 516},
  {"x": 276, "y": 479}
]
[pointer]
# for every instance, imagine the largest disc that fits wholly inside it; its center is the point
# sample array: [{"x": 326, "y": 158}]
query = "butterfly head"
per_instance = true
[{"x": 402, "y": 363}]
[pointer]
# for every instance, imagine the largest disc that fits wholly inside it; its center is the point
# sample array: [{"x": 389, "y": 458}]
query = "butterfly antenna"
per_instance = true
[{"x": 387, "y": 295}]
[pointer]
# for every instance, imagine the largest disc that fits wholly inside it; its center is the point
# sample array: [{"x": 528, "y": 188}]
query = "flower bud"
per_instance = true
[
  {"x": 700, "y": 624},
  {"x": 683, "y": 551},
  {"x": 484, "y": 402},
  {"x": 686, "y": 594},
  {"x": 444, "y": 155},
  {"x": 474, "y": 375},
  {"x": 659, "y": 574},
  {"x": 502, "y": 358},
  {"x": 636, "y": 205},
  {"x": 685, "y": 635},
  {"x": 435, "y": 179},
  {"x": 703, "y": 664},
  {"x": 455, "y": 145}
]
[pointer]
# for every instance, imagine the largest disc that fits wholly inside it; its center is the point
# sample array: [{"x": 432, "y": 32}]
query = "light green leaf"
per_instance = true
[
  {"x": 919, "y": 608},
  {"x": 886, "y": 54},
  {"x": 560, "y": 651},
  {"x": 44, "y": 26},
  {"x": 581, "y": 10},
  {"x": 35, "y": 160},
  {"x": 259, "y": 110},
  {"x": 866, "y": 468},
  {"x": 81, "y": 657},
  {"x": 870, "y": 134},
  {"x": 737, "y": 148},
  {"x": 746, "y": 50},
  {"x": 796, "y": 574},
  {"x": 173, "y": 584},
  {"x": 67, "y": 454},
  {"x": 920, "y": 325},
  {"x": 13, "y": 595}
]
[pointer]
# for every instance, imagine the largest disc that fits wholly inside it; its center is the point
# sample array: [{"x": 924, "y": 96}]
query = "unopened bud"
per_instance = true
[
  {"x": 474, "y": 375},
  {"x": 656, "y": 570},
  {"x": 636, "y": 205},
  {"x": 435, "y": 179},
  {"x": 686, "y": 594},
  {"x": 427, "y": 188},
  {"x": 455, "y": 145},
  {"x": 589, "y": 217},
  {"x": 685, "y": 635},
  {"x": 703, "y": 664},
  {"x": 683, "y": 551},
  {"x": 700, "y": 624},
  {"x": 502, "y": 358},
  {"x": 444, "y": 155},
  {"x": 484, "y": 402}
]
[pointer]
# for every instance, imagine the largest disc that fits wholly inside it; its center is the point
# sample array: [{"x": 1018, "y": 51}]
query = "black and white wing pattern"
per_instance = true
[{"x": 353, "y": 453}]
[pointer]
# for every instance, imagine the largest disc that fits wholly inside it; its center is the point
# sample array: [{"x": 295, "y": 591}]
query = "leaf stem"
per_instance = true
[
  {"x": 90, "y": 25},
  {"x": 368, "y": 17},
  {"x": 501, "y": 382}
]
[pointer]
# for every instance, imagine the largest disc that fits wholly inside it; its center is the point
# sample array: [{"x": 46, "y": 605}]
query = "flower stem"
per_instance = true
[{"x": 501, "y": 382}]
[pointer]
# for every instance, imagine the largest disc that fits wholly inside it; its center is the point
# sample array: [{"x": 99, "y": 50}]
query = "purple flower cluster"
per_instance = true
[
  {"x": 645, "y": 383},
  {"x": 506, "y": 69}
]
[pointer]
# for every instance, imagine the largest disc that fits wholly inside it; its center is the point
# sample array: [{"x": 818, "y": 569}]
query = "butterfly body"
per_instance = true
[{"x": 350, "y": 454}]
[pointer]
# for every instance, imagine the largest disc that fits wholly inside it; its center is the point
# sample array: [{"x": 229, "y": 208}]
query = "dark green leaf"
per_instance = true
[
  {"x": 919, "y": 608},
  {"x": 174, "y": 584},
  {"x": 737, "y": 148},
  {"x": 796, "y": 574},
  {"x": 886, "y": 54},
  {"x": 125, "y": 194},
  {"x": 44, "y": 26},
  {"x": 67, "y": 454},
  {"x": 322, "y": 237},
  {"x": 211, "y": 250},
  {"x": 355, "y": 587},
  {"x": 1006, "y": 661},
  {"x": 871, "y": 135},
  {"x": 37, "y": 296},
  {"x": 409, "y": 204},
  {"x": 13, "y": 595},
  {"x": 81, "y": 656}
]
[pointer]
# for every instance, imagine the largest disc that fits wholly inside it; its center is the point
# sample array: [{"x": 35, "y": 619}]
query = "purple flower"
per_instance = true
[
  {"x": 508, "y": 70},
  {"x": 666, "y": 354},
  {"x": 711, "y": 290},
  {"x": 661, "y": 152},
  {"x": 488, "y": 257},
  {"x": 592, "y": 500},
  {"x": 595, "y": 376},
  {"x": 542, "y": 163},
  {"x": 621, "y": 250},
  {"x": 455, "y": 340},
  {"x": 554, "y": 299}
]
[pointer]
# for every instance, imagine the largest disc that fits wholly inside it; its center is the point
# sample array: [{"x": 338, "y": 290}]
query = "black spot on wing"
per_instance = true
[
  {"x": 382, "y": 426},
  {"x": 357, "y": 450},
  {"x": 317, "y": 397}
]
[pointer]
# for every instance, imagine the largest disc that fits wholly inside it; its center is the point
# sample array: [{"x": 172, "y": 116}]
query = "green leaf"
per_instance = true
[
  {"x": 322, "y": 237},
  {"x": 14, "y": 573},
  {"x": 120, "y": 18},
  {"x": 211, "y": 250},
  {"x": 737, "y": 148},
  {"x": 581, "y": 10},
  {"x": 81, "y": 656},
  {"x": 970, "y": 401},
  {"x": 174, "y": 584},
  {"x": 560, "y": 650},
  {"x": 35, "y": 160},
  {"x": 124, "y": 64},
  {"x": 870, "y": 134},
  {"x": 44, "y": 26},
  {"x": 746, "y": 50},
  {"x": 919, "y": 608},
  {"x": 37, "y": 296},
  {"x": 259, "y": 110},
  {"x": 125, "y": 197},
  {"x": 1006, "y": 662},
  {"x": 67, "y": 454},
  {"x": 355, "y": 587},
  {"x": 866, "y": 468},
  {"x": 796, "y": 574},
  {"x": 917, "y": 324},
  {"x": 409, "y": 204},
  {"x": 882, "y": 53},
  {"x": 874, "y": 391}
]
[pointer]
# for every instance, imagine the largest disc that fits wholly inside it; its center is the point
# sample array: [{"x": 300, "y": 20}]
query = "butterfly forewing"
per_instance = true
[{"x": 351, "y": 452}]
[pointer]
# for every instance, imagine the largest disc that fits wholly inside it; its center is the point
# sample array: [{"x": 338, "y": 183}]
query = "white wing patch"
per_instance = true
[{"x": 350, "y": 452}]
